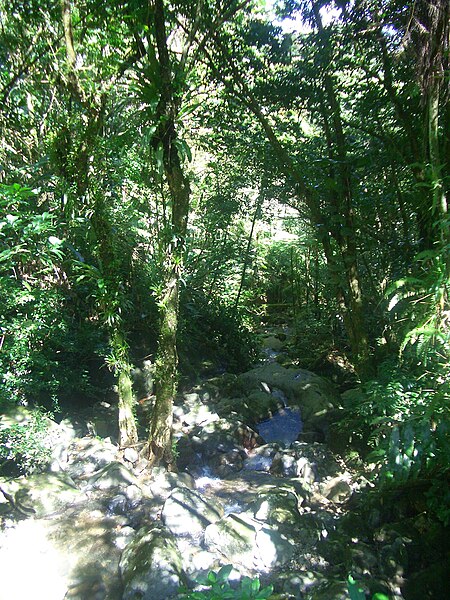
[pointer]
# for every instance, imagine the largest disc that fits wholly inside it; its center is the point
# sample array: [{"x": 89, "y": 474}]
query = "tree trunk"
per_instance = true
[
  {"x": 160, "y": 438},
  {"x": 107, "y": 253}
]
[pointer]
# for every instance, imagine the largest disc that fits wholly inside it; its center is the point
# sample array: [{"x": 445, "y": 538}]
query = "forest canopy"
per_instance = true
[{"x": 174, "y": 174}]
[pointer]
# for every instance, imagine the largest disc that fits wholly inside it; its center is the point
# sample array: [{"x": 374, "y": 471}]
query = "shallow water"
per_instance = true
[{"x": 283, "y": 427}]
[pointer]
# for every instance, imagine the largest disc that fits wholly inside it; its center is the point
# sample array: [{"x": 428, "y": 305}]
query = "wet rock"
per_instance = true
[
  {"x": 225, "y": 464},
  {"x": 151, "y": 566},
  {"x": 261, "y": 458},
  {"x": 187, "y": 513},
  {"x": 259, "y": 405},
  {"x": 163, "y": 482},
  {"x": 272, "y": 342},
  {"x": 314, "y": 395}
]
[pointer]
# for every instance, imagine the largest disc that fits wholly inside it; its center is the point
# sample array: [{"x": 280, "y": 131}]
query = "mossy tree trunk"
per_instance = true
[
  {"x": 160, "y": 438},
  {"x": 111, "y": 268},
  {"x": 112, "y": 272}
]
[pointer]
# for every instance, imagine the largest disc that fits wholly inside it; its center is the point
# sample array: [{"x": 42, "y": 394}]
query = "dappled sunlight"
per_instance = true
[{"x": 31, "y": 565}]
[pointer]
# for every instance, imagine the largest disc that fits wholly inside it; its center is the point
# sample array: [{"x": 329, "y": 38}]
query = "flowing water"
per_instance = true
[{"x": 284, "y": 426}]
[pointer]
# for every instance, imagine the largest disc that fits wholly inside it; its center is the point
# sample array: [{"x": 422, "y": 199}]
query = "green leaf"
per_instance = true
[
  {"x": 224, "y": 573},
  {"x": 264, "y": 593},
  {"x": 212, "y": 577},
  {"x": 356, "y": 592}
]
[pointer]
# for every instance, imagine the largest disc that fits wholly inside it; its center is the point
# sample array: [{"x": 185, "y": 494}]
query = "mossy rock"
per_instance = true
[{"x": 151, "y": 566}]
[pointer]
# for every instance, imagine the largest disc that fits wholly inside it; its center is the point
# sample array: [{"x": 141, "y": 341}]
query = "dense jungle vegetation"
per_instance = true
[{"x": 151, "y": 153}]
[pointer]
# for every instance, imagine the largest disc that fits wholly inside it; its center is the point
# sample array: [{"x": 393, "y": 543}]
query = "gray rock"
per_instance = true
[
  {"x": 131, "y": 455},
  {"x": 336, "y": 490},
  {"x": 235, "y": 537},
  {"x": 261, "y": 458},
  {"x": 151, "y": 566},
  {"x": 273, "y": 548},
  {"x": 187, "y": 513},
  {"x": 87, "y": 455},
  {"x": 314, "y": 395},
  {"x": 113, "y": 476},
  {"x": 277, "y": 507},
  {"x": 246, "y": 542},
  {"x": 43, "y": 494},
  {"x": 225, "y": 464},
  {"x": 163, "y": 482}
]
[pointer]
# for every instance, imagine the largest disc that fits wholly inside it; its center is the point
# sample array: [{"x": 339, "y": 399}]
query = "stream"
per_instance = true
[{"x": 98, "y": 526}]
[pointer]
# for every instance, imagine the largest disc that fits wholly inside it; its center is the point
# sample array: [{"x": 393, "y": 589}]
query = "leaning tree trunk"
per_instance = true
[{"x": 159, "y": 446}]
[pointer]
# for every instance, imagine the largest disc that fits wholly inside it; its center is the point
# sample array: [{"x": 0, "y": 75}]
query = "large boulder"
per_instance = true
[
  {"x": 151, "y": 566},
  {"x": 278, "y": 507},
  {"x": 315, "y": 396},
  {"x": 88, "y": 455},
  {"x": 114, "y": 476},
  {"x": 187, "y": 513},
  {"x": 245, "y": 541},
  {"x": 42, "y": 494}
]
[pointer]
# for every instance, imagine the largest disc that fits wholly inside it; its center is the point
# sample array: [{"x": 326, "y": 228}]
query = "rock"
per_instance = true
[
  {"x": 336, "y": 490},
  {"x": 277, "y": 508},
  {"x": 187, "y": 513},
  {"x": 225, "y": 464},
  {"x": 163, "y": 483},
  {"x": 151, "y": 566},
  {"x": 261, "y": 458},
  {"x": 87, "y": 455},
  {"x": 314, "y": 395},
  {"x": 260, "y": 405},
  {"x": 243, "y": 541},
  {"x": 284, "y": 464},
  {"x": 233, "y": 537},
  {"x": 274, "y": 548},
  {"x": 195, "y": 414},
  {"x": 219, "y": 436},
  {"x": 272, "y": 342},
  {"x": 131, "y": 455},
  {"x": 113, "y": 476},
  {"x": 43, "y": 494}
]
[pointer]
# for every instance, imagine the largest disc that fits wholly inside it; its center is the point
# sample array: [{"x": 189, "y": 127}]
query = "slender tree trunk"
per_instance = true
[
  {"x": 119, "y": 347},
  {"x": 159, "y": 446},
  {"x": 107, "y": 253},
  {"x": 247, "y": 253}
]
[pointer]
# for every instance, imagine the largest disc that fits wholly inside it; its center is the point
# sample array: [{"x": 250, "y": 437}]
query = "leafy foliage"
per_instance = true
[
  {"x": 26, "y": 444},
  {"x": 357, "y": 593},
  {"x": 216, "y": 332},
  {"x": 218, "y": 588}
]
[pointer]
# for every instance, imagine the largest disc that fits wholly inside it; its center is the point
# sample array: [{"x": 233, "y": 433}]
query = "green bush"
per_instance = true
[
  {"x": 403, "y": 417},
  {"x": 26, "y": 444},
  {"x": 210, "y": 330},
  {"x": 44, "y": 348},
  {"x": 357, "y": 593},
  {"x": 217, "y": 587}
]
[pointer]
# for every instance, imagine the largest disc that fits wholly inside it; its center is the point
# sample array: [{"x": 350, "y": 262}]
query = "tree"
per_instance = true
[{"x": 332, "y": 219}]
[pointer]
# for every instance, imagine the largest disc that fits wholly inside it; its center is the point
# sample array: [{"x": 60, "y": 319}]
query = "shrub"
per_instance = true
[
  {"x": 217, "y": 587},
  {"x": 26, "y": 444}
]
